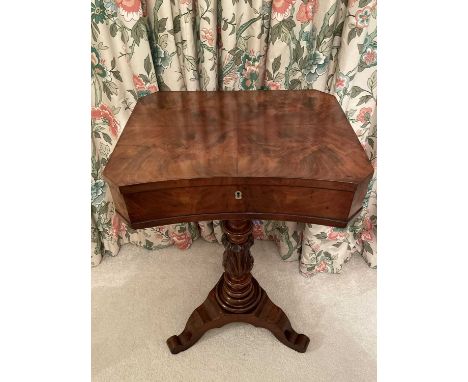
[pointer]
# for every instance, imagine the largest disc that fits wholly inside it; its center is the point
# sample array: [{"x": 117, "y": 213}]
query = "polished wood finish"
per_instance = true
[
  {"x": 183, "y": 155},
  {"x": 237, "y": 156},
  {"x": 237, "y": 297}
]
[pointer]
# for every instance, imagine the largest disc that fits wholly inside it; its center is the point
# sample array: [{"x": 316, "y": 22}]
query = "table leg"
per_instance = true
[{"x": 237, "y": 297}]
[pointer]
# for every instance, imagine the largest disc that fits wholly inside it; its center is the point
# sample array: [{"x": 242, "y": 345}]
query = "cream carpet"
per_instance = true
[{"x": 141, "y": 297}]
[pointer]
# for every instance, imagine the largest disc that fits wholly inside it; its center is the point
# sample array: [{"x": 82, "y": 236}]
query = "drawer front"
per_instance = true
[{"x": 173, "y": 205}]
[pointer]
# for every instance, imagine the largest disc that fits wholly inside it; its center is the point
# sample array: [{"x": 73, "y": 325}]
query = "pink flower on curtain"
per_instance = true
[
  {"x": 367, "y": 224},
  {"x": 364, "y": 115},
  {"x": 181, "y": 240},
  {"x": 367, "y": 233},
  {"x": 130, "y": 9},
  {"x": 307, "y": 11},
  {"x": 249, "y": 70},
  {"x": 367, "y": 236},
  {"x": 321, "y": 267},
  {"x": 272, "y": 85},
  {"x": 370, "y": 56},
  {"x": 138, "y": 82},
  {"x": 341, "y": 83},
  {"x": 160, "y": 229},
  {"x": 207, "y": 36},
  {"x": 363, "y": 17},
  {"x": 280, "y": 9},
  {"x": 334, "y": 235},
  {"x": 118, "y": 226},
  {"x": 103, "y": 112},
  {"x": 141, "y": 88}
]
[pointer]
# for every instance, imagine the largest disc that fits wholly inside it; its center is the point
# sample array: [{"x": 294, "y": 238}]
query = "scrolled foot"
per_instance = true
[
  {"x": 296, "y": 341},
  {"x": 179, "y": 343},
  {"x": 271, "y": 317},
  {"x": 207, "y": 316},
  {"x": 211, "y": 315}
]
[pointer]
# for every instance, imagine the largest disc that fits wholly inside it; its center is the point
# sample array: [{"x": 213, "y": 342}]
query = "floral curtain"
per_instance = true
[{"x": 139, "y": 47}]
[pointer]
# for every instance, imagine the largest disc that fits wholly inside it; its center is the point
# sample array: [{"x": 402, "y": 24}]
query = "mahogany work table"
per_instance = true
[{"x": 238, "y": 156}]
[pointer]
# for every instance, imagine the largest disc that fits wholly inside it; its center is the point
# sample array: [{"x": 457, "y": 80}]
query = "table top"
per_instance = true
[
  {"x": 277, "y": 155},
  {"x": 257, "y": 134}
]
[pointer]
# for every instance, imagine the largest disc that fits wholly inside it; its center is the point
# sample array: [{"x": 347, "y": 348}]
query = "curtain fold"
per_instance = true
[{"x": 233, "y": 45}]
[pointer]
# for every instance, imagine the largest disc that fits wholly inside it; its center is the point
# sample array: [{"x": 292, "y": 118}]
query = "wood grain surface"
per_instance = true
[{"x": 183, "y": 155}]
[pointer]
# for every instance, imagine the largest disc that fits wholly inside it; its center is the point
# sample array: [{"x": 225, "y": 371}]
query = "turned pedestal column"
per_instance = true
[{"x": 237, "y": 297}]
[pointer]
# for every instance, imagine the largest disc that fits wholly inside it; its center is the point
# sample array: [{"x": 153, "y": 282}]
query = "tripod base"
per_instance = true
[{"x": 211, "y": 315}]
